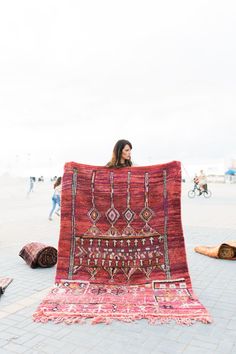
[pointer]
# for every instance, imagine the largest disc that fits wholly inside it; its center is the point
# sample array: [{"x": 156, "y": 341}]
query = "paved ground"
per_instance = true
[{"x": 205, "y": 222}]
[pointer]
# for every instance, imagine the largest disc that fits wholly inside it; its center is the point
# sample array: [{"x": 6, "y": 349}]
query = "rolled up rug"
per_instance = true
[
  {"x": 226, "y": 250},
  {"x": 38, "y": 254},
  {"x": 4, "y": 282}
]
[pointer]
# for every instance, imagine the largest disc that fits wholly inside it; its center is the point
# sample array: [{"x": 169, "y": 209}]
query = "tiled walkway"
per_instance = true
[{"x": 214, "y": 282}]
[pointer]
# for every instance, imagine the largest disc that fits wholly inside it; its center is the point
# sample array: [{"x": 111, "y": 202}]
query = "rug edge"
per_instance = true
[{"x": 152, "y": 319}]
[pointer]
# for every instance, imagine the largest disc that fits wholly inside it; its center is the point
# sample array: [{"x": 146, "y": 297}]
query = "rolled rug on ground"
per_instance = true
[
  {"x": 38, "y": 254},
  {"x": 4, "y": 282},
  {"x": 226, "y": 250}
]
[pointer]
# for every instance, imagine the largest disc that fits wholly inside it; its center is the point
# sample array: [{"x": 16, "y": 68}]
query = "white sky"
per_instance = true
[{"x": 76, "y": 76}]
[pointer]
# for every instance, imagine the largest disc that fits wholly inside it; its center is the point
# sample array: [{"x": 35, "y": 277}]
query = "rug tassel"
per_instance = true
[{"x": 152, "y": 320}]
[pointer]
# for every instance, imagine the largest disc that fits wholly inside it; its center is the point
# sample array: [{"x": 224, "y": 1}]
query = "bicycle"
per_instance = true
[{"x": 196, "y": 191}]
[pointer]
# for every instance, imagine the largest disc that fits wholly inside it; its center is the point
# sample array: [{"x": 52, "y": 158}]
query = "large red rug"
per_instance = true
[{"x": 121, "y": 249}]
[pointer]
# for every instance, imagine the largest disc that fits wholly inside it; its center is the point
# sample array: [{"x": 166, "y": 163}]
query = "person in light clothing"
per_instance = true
[{"x": 56, "y": 199}]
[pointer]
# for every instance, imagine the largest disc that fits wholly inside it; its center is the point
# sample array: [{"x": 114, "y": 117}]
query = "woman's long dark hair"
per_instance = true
[
  {"x": 58, "y": 182},
  {"x": 116, "y": 155}
]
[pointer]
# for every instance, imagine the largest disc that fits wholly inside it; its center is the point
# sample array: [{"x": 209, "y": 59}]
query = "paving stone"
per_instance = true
[
  {"x": 15, "y": 331},
  {"x": 233, "y": 350},
  {"x": 7, "y": 336},
  {"x": 203, "y": 344},
  {"x": 84, "y": 339},
  {"x": 230, "y": 334},
  {"x": 72, "y": 348},
  {"x": 35, "y": 340},
  {"x": 185, "y": 337},
  {"x": 196, "y": 350},
  {"x": 169, "y": 346},
  {"x": 24, "y": 338},
  {"x": 61, "y": 333},
  {"x": 24, "y": 324},
  {"x": 232, "y": 324},
  {"x": 3, "y": 342},
  {"x": 15, "y": 348},
  {"x": 225, "y": 346}
]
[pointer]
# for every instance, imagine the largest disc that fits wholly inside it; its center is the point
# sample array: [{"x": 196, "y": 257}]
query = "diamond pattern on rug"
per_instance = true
[
  {"x": 109, "y": 270},
  {"x": 112, "y": 215}
]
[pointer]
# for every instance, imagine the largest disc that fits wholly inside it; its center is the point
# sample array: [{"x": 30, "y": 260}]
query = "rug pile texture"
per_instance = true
[{"x": 121, "y": 251}]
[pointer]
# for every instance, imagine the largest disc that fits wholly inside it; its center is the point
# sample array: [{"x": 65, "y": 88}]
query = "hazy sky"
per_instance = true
[{"x": 75, "y": 76}]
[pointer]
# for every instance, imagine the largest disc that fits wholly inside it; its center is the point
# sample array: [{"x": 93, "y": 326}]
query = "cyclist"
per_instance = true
[
  {"x": 196, "y": 182},
  {"x": 202, "y": 182}
]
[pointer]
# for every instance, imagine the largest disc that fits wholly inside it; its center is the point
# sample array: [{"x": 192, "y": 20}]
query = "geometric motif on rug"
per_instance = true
[{"x": 121, "y": 248}]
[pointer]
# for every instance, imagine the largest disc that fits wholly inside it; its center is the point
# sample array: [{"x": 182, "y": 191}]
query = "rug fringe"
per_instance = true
[{"x": 152, "y": 320}]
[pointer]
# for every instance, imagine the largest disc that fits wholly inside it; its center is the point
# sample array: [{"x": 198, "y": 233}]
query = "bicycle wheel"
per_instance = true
[
  {"x": 207, "y": 194},
  {"x": 191, "y": 194}
]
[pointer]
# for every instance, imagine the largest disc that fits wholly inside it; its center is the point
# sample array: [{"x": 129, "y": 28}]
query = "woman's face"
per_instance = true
[{"x": 126, "y": 153}]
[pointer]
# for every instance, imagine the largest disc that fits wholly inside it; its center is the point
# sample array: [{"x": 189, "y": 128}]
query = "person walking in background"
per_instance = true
[
  {"x": 31, "y": 185},
  {"x": 56, "y": 198}
]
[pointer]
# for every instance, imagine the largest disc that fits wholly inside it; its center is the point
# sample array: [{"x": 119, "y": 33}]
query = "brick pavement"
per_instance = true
[{"x": 213, "y": 280}]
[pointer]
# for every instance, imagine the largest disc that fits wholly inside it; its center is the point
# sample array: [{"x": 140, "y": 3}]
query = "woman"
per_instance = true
[
  {"x": 56, "y": 198},
  {"x": 121, "y": 156}
]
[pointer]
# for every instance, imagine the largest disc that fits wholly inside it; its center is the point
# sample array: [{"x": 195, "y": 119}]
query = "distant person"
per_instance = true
[
  {"x": 202, "y": 182},
  {"x": 31, "y": 185},
  {"x": 196, "y": 182},
  {"x": 56, "y": 199},
  {"x": 41, "y": 179},
  {"x": 121, "y": 155}
]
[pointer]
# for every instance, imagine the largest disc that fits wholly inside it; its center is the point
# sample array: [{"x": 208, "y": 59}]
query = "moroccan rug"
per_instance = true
[
  {"x": 4, "y": 282},
  {"x": 226, "y": 250},
  {"x": 121, "y": 250},
  {"x": 37, "y": 254}
]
